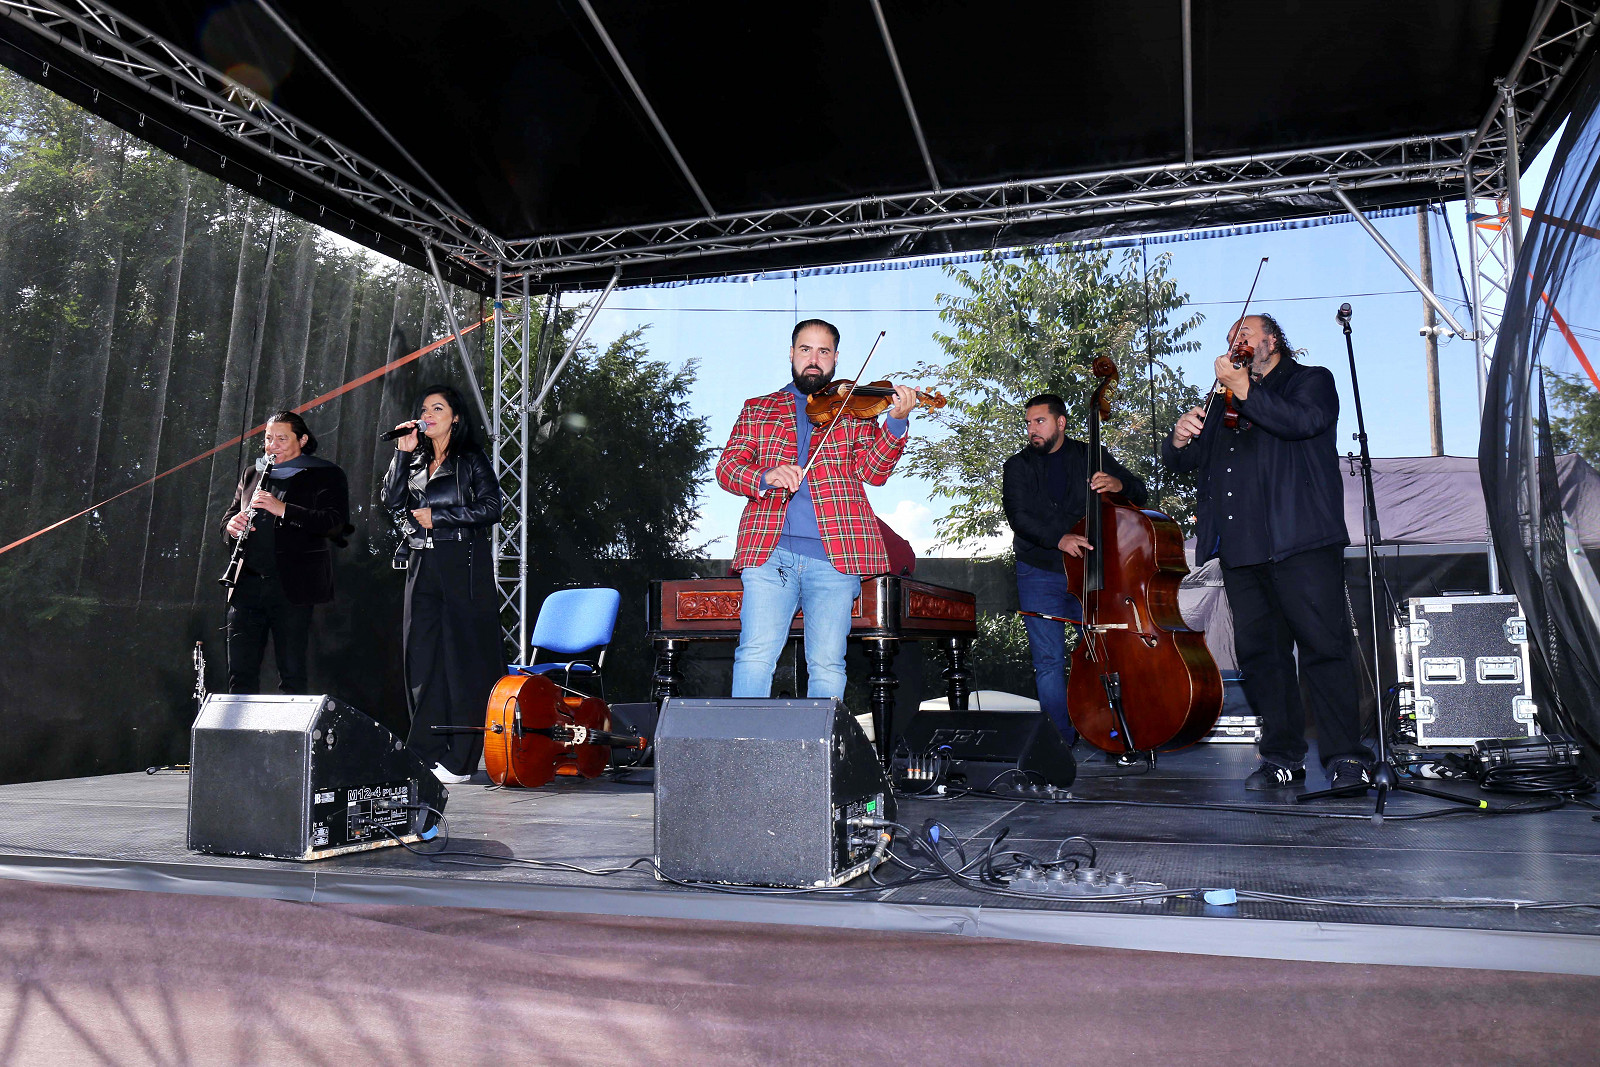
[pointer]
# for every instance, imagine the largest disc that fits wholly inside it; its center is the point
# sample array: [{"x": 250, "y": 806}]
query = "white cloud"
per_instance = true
[{"x": 912, "y": 520}]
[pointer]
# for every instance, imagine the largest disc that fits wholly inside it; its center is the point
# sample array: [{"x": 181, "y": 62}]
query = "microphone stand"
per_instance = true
[{"x": 1384, "y": 779}]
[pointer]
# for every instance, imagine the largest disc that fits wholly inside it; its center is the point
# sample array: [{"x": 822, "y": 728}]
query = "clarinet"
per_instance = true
[
  {"x": 199, "y": 657},
  {"x": 199, "y": 675},
  {"x": 230, "y": 577}
]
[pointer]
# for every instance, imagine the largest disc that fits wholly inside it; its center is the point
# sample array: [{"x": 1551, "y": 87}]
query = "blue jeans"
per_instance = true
[
  {"x": 1046, "y": 591},
  {"x": 772, "y": 593}
]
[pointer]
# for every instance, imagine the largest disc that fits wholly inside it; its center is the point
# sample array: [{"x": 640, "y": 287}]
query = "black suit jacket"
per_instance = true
[
  {"x": 1296, "y": 410},
  {"x": 316, "y": 516},
  {"x": 1038, "y": 519}
]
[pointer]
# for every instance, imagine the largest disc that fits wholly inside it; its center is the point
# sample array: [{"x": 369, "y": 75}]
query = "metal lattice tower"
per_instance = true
[{"x": 513, "y": 359}]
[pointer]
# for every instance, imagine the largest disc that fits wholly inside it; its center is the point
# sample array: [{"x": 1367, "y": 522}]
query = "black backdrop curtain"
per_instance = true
[
  {"x": 148, "y": 313},
  {"x": 1556, "y": 279}
]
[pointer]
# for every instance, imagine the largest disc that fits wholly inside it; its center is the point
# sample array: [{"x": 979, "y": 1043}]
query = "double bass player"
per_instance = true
[{"x": 1045, "y": 491}]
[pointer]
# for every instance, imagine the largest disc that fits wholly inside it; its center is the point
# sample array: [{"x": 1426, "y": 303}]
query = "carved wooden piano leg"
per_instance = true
[
  {"x": 880, "y": 656},
  {"x": 957, "y": 678},
  {"x": 666, "y": 677}
]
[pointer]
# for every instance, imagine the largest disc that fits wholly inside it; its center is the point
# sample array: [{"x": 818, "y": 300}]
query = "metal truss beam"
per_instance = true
[
  {"x": 1561, "y": 32},
  {"x": 155, "y": 67},
  {"x": 1436, "y": 160},
  {"x": 127, "y": 51}
]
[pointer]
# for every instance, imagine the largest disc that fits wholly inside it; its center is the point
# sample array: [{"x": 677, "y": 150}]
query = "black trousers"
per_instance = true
[
  {"x": 453, "y": 650},
  {"x": 1297, "y": 605},
  {"x": 257, "y": 609}
]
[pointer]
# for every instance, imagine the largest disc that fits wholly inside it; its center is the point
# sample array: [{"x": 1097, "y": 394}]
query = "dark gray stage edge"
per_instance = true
[{"x": 126, "y": 831}]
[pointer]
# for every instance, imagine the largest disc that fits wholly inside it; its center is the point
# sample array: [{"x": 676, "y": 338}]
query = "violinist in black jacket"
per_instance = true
[
  {"x": 445, "y": 485},
  {"x": 302, "y": 512},
  {"x": 1271, "y": 506},
  {"x": 1045, "y": 490}
]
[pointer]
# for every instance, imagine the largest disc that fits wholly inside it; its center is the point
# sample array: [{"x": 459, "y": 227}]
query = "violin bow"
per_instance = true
[
  {"x": 1243, "y": 312},
  {"x": 816, "y": 446}
]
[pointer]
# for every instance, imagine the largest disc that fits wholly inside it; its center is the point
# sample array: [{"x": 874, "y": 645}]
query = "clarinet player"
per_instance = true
[{"x": 301, "y": 511}]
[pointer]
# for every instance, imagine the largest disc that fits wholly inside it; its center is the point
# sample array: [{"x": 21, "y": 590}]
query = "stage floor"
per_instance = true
[{"x": 128, "y": 831}]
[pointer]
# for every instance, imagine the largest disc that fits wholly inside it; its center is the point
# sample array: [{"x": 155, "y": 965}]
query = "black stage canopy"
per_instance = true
[{"x": 568, "y": 138}]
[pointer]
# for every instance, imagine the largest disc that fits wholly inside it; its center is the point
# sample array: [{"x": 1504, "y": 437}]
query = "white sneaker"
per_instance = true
[
  {"x": 867, "y": 728},
  {"x": 447, "y": 778}
]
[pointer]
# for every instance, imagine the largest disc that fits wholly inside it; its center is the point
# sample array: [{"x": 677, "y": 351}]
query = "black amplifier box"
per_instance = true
[
  {"x": 988, "y": 751},
  {"x": 302, "y": 778},
  {"x": 762, "y": 792}
]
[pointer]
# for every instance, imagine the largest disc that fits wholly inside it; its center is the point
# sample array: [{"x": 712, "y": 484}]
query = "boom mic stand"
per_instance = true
[{"x": 1384, "y": 779}]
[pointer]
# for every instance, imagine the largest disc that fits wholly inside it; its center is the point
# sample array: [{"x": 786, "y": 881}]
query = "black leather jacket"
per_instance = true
[
  {"x": 464, "y": 496},
  {"x": 1296, "y": 410}
]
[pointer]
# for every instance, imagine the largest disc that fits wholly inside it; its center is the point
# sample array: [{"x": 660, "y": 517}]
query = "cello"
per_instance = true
[
  {"x": 535, "y": 731},
  {"x": 1140, "y": 678}
]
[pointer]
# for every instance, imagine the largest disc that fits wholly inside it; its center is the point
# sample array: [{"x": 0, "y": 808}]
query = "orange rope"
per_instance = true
[
  {"x": 323, "y": 399},
  {"x": 1572, "y": 340}
]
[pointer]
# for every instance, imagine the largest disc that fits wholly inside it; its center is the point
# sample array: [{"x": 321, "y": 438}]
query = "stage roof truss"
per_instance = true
[
  {"x": 131, "y": 53},
  {"x": 1562, "y": 31},
  {"x": 1406, "y": 161},
  {"x": 378, "y": 199}
]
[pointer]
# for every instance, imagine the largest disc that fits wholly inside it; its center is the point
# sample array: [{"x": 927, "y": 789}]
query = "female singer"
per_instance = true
[{"x": 441, "y": 481}]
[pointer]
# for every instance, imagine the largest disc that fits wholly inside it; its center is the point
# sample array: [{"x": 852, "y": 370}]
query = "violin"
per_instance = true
[
  {"x": 535, "y": 731},
  {"x": 862, "y": 402},
  {"x": 1239, "y": 355},
  {"x": 1141, "y": 679}
]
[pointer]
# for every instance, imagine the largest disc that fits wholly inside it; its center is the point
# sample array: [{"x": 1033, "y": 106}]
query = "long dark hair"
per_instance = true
[
  {"x": 463, "y": 432},
  {"x": 1270, "y": 327},
  {"x": 298, "y": 425}
]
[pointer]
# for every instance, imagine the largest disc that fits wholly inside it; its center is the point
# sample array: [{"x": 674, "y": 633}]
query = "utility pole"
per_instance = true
[{"x": 1430, "y": 336}]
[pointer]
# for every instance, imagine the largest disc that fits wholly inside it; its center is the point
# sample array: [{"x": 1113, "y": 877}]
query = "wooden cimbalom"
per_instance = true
[{"x": 891, "y": 609}]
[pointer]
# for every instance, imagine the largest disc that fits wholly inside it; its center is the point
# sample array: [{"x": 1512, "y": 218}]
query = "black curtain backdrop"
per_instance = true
[
  {"x": 1558, "y": 272},
  {"x": 148, "y": 313}
]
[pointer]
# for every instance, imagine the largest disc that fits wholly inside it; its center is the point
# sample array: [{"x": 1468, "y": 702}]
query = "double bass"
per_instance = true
[
  {"x": 535, "y": 730},
  {"x": 1140, "y": 679}
]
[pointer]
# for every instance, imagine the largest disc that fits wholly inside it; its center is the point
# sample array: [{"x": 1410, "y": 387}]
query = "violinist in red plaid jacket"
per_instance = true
[{"x": 805, "y": 543}]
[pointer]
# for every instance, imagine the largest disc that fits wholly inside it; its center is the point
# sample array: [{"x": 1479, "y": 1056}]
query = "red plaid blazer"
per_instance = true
[{"x": 857, "y": 452}]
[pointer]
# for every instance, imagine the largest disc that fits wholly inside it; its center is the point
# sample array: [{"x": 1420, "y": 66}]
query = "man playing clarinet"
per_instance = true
[{"x": 806, "y": 537}]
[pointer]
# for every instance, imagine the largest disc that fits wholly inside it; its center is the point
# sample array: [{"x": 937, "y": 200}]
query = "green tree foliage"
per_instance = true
[
  {"x": 1033, "y": 325},
  {"x": 1577, "y": 427},
  {"x": 618, "y": 463}
]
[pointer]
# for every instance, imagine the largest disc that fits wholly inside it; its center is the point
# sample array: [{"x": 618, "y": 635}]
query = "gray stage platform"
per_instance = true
[{"x": 127, "y": 831}]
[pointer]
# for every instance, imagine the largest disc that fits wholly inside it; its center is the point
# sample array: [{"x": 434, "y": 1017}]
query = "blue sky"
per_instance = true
[{"x": 738, "y": 331}]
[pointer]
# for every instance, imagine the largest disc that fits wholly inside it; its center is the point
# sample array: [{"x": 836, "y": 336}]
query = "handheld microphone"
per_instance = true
[
  {"x": 1344, "y": 315},
  {"x": 421, "y": 426}
]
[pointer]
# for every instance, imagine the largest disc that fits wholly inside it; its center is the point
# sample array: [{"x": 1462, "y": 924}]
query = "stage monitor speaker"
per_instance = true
[
  {"x": 990, "y": 751},
  {"x": 760, "y": 792},
  {"x": 302, "y": 778}
]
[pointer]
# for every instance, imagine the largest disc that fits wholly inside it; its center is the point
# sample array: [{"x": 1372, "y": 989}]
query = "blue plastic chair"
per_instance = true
[{"x": 573, "y": 621}]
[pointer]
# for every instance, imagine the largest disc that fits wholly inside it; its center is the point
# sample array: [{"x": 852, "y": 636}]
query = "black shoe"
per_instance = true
[
  {"x": 1348, "y": 774},
  {"x": 1271, "y": 776}
]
